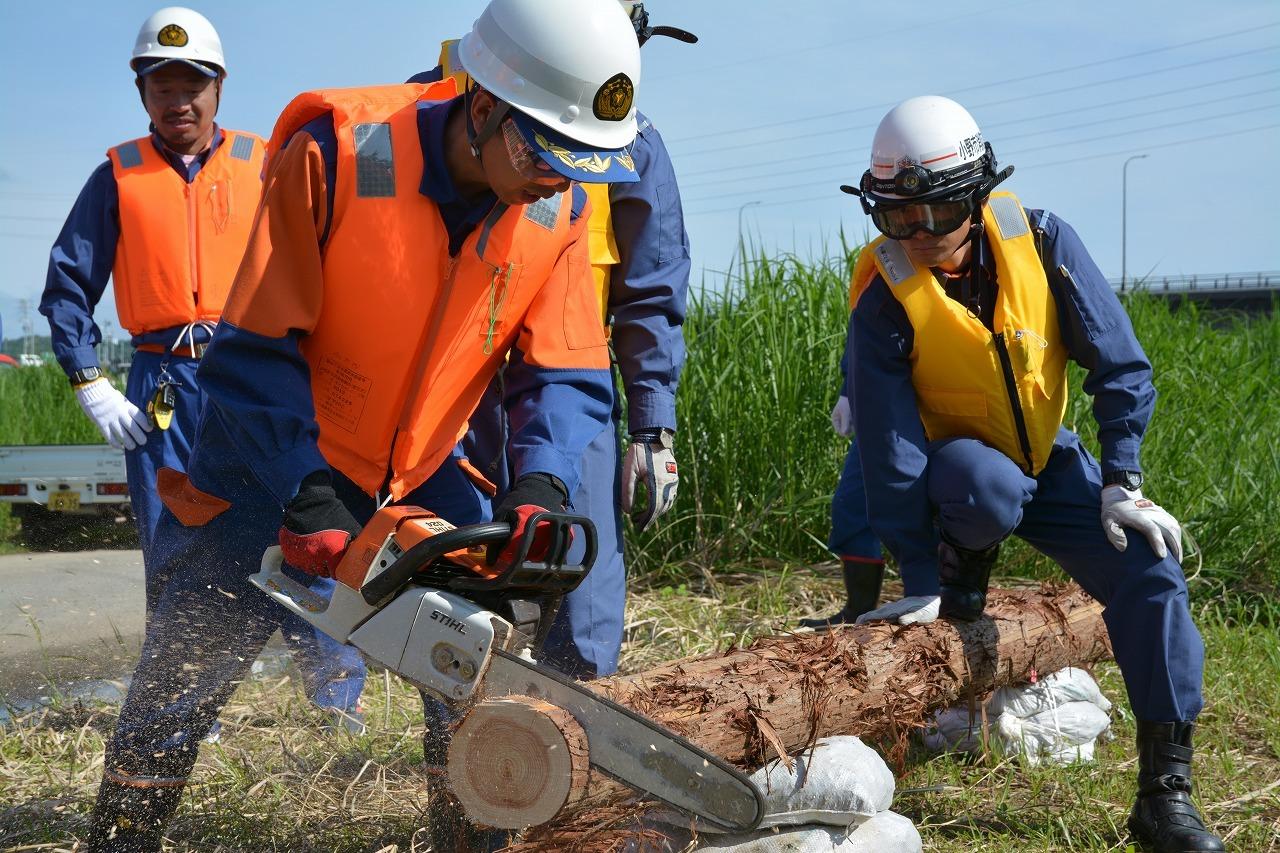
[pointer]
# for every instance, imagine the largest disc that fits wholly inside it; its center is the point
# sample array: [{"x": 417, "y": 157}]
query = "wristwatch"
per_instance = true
[
  {"x": 1131, "y": 480},
  {"x": 84, "y": 376}
]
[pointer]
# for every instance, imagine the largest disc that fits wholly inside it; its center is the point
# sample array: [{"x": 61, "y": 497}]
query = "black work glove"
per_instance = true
[
  {"x": 317, "y": 527},
  {"x": 532, "y": 493}
]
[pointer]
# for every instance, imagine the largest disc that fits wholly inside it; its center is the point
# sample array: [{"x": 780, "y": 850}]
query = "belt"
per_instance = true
[{"x": 183, "y": 351}]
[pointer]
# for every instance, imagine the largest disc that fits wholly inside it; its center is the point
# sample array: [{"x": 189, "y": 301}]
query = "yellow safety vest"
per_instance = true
[
  {"x": 1008, "y": 389},
  {"x": 601, "y": 244}
]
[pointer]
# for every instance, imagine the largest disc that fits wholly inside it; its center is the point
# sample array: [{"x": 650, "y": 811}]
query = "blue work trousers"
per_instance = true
[
  {"x": 981, "y": 496},
  {"x": 333, "y": 674},
  {"x": 585, "y": 639},
  {"x": 851, "y": 535}
]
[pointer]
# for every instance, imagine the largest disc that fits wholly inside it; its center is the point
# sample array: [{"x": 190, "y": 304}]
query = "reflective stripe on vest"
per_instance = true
[
  {"x": 410, "y": 338},
  {"x": 180, "y": 244},
  {"x": 1008, "y": 389}
]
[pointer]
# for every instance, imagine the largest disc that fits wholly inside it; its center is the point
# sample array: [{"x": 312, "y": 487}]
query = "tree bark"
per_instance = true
[{"x": 878, "y": 682}]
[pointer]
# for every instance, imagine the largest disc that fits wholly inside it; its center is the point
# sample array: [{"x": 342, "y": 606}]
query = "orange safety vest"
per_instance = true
[
  {"x": 410, "y": 337},
  {"x": 1008, "y": 389},
  {"x": 181, "y": 243}
]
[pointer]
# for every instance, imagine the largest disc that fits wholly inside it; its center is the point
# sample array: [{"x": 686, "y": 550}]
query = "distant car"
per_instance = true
[
  {"x": 30, "y": 360},
  {"x": 7, "y": 361}
]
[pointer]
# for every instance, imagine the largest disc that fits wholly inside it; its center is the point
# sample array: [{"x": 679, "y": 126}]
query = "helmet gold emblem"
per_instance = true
[
  {"x": 172, "y": 36},
  {"x": 613, "y": 100}
]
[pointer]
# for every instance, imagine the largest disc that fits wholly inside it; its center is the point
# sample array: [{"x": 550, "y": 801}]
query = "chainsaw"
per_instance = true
[{"x": 416, "y": 595}]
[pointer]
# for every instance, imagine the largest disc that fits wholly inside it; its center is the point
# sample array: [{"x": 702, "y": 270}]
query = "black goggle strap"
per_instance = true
[
  {"x": 491, "y": 124},
  {"x": 644, "y": 32}
]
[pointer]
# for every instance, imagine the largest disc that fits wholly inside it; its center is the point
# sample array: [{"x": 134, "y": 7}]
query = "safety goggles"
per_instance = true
[
  {"x": 900, "y": 221},
  {"x": 524, "y": 159}
]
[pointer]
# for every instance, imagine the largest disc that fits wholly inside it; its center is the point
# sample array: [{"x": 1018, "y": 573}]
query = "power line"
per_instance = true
[
  {"x": 866, "y": 149},
  {"x": 842, "y": 42},
  {"x": 832, "y": 196},
  {"x": 1121, "y": 79},
  {"x": 994, "y": 83},
  {"x": 30, "y": 218},
  {"x": 1009, "y": 154}
]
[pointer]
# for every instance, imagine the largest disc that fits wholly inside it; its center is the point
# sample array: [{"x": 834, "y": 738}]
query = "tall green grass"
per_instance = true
[
  {"x": 38, "y": 407},
  {"x": 759, "y": 460}
]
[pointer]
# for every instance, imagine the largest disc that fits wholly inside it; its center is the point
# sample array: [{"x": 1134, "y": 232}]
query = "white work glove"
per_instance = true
[
  {"x": 842, "y": 417},
  {"x": 916, "y": 610},
  {"x": 122, "y": 424},
  {"x": 1122, "y": 508},
  {"x": 651, "y": 464}
]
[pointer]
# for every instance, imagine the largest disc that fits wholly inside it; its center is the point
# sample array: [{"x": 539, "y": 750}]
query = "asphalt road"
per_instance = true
[{"x": 69, "y": 616}]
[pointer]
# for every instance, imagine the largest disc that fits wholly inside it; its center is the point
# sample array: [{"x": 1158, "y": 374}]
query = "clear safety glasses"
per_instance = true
[
  {"x": 523, "y": 158},
  {"x": 900, "y": 221}
]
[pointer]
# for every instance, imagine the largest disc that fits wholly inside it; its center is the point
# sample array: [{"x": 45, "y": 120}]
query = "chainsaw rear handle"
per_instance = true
[{"x": 550, "y": 574}]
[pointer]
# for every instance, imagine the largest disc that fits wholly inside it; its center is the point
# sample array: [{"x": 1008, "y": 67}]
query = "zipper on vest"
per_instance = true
[
  {"x": 192, "y": 248},
  {"x": 1011, "y": 386}
]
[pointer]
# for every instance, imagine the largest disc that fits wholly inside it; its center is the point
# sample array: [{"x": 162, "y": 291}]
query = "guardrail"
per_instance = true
[{"x": 1249, "y": 282}]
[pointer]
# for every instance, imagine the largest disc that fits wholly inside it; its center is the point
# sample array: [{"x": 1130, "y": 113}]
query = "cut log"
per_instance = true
[
  {"x": 517, "y": 761},
  {"x": 782, "y": 693}
]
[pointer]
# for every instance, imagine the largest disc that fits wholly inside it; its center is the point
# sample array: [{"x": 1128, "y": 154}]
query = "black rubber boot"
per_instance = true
[
  {"x": 447, "y": 824},
  {"x": 130, "y": 819},
  {"x": 862, "y": 582},
  {"x": 964, "y": 576},
  {"x": 1163, "y": 814}
]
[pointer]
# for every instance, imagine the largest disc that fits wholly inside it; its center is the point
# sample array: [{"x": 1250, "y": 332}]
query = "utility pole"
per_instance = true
[
  {"x": 28, "y": 328},
  {"x": 1124, "y": 218}
]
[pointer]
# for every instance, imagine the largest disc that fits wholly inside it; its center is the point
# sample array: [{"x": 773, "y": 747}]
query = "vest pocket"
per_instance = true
[
  {"x": 497, "y": 301},
  {"x": 942, "y": 401}
]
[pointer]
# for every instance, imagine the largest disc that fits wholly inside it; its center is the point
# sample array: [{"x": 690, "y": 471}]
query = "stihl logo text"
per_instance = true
[{"x": 449, "y": 622}]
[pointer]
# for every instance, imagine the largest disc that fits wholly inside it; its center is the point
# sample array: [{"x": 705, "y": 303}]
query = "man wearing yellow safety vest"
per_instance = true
[
  {"x": 967, "y": 312},
  {"x": 410, "y": 240},
  {"x": 640, "y": 260},
  {"x": 166, "y": 218}
]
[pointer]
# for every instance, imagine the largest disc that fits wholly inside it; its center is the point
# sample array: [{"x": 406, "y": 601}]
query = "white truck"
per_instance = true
[{"x": 50, "y": 487}]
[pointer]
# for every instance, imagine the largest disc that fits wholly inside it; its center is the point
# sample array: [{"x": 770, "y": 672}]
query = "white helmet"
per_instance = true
[
  {"x": 927, "y": 148},
  {"x": 176, "y": 33},
  {"x": 571, "y": 65}
]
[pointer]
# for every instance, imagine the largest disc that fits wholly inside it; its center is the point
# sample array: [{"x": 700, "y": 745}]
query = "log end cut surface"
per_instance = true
[{"x": 517, "y": 761}]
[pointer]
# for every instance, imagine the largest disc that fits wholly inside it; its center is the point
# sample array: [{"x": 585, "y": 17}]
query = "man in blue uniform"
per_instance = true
[
  {"x": 166, "y": 218},
  {"x": 640, "y": 258},
  {"x": 967, "y": 312}
]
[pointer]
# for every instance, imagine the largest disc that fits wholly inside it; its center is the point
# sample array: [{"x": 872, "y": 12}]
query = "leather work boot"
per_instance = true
[
  {"x": 964, "y": 576},
  {"x": 862, "y": 582},
  {"x": 1163, "y": 814},
  {"x": 129, "y": 818}
]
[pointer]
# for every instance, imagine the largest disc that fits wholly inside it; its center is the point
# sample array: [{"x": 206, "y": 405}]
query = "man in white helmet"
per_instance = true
[
  {"x": 640, "y": 261},
  {"x": 410, "y": 240},
  {"x": 967, "y": 312},
  {"x": 166, "y": 218}
]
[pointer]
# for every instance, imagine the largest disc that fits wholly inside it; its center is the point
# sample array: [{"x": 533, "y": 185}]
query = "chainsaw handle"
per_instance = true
[{"x": 426, "y": 552}]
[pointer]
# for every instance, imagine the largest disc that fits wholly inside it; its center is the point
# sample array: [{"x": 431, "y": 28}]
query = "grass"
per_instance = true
[
  {"x": 276, "y": 782},
  {"x": 759, "y": 460}
]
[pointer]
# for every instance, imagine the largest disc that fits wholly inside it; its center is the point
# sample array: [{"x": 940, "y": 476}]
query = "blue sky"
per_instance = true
[{"x": 772, "y": 110}]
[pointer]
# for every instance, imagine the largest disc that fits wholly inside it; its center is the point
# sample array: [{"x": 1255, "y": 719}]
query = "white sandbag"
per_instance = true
[
  {"x": 887, "y": 832},
  {"x": 955, "y": 729},
  {"x": 1058, "y": 688},
  {"x": 838, "y": 782},
  {"x": 1052, "y": 732}
]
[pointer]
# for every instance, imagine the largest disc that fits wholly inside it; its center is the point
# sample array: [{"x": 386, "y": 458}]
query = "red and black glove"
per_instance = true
[
  {"x": 532, "y": 493},
  {"x": 317, "y": 527}
]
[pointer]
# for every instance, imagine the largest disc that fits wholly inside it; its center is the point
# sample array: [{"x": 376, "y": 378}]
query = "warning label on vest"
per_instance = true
[{"x": 341, "y": 392}]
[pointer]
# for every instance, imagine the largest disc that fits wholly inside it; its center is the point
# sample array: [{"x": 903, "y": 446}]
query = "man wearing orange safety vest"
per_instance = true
[
  {"x": 410, "y": 241},
  {"x": 167, "y": 218},
  {"x": 640, "y": 261}
]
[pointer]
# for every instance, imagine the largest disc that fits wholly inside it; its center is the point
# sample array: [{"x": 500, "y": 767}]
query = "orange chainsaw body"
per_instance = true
[{"x": 394, "y": 530}]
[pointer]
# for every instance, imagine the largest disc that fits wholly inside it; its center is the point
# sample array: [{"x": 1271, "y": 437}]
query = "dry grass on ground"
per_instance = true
[{"x": 276, "y": 782}]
